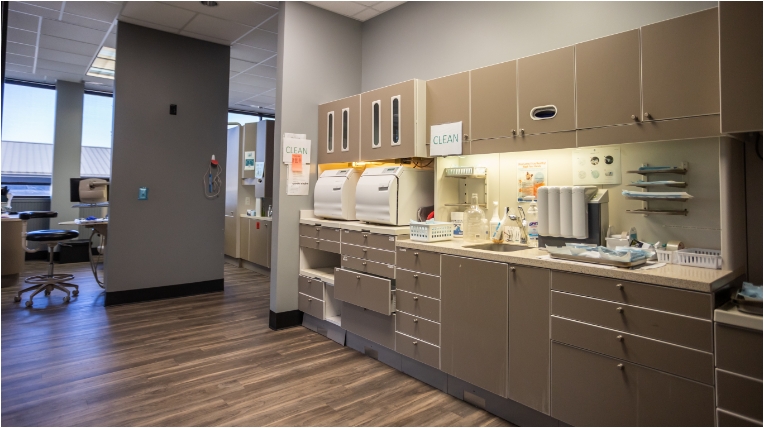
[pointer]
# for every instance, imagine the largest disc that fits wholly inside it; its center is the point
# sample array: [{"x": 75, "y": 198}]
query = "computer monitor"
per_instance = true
[{"x": 88, "y": 190}]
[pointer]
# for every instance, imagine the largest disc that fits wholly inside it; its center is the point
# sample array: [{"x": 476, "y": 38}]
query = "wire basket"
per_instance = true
[
  {"x": 431, "y": 232},
  {"x": 666, "y": 256},
  {"x": 699, "y": 257}
]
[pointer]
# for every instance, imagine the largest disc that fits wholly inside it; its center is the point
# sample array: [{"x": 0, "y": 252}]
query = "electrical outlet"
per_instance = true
[
  {"x": 143, "y": 193},
  {"x": 246, "y": 200}
]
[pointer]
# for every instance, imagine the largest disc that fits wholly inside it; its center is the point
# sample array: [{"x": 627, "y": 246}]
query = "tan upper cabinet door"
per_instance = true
[
  {"x": 680, "y": 67},
  {"x": 339, "y": 131},
  {"x": 740, "y": 29},
  {"x": 546, "y": 92},
  {"x": 391, "y": 126},
  {"x": 607, "y": 81},
  {"x": 493, "y": 92},
  {"x": 448, "y": 101}
]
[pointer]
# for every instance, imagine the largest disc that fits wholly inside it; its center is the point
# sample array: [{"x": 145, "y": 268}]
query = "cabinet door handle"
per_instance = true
[
  {"x": 416, "y": 298},
  {"x": 416, "y": 254},
  {"x": 512, "y": 269},
  {"x": 619, "y": 310},
  {"x": 416, "y": 343},
  {"x": 416, "y": 320},
  {"x": 364, "y": 263},
  {"x": 620, "y": 286},
  {"x": 365, "y": 235},
  {"x": 365, "y": 249},
  {"x": 358, "y": 277},
  {"x": 514, "y": 132},
  {"x": 309, "y": 281},
  {"x": 310, "y": 300},
  {"x": 648, "y": 116},
  {"x": 318, "y": 228},
  {"x": 635, "y": 117},
  {"x": 620, "y": 338},
  {"x": 416, "y": 276},
  {"x": 620, "y": 366},
  {"x": 522, "y": 132}
]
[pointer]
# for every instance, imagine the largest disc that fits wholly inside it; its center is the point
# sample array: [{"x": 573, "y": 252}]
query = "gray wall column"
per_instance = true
[
  {"x": 319, "y": 60},
  {"x": 67, "y": 148}
]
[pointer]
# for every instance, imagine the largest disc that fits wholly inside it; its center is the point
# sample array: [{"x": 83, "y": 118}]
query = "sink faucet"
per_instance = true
[{"x": 519, "y": 221}]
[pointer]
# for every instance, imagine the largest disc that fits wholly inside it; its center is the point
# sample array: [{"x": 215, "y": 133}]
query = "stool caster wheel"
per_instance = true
[
  {"x": 16, "y": 298},
  {"x": 28, "y": 303},
  {"x": 75, "y": 292},
  {"x": 47, "y": 293},
  {"x": 66, "y": 299}
]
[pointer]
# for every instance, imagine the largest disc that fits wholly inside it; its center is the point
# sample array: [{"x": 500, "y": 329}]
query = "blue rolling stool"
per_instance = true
[{"x": 51, "y": 238}]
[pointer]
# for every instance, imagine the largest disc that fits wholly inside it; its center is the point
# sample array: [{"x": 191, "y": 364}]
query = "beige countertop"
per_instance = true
[
  {"x": 356, "y": 225},
  {"x": 14, "y": 217},
  {"x": 677, "y": 276},
  {"x": 255, "y": 217},
  {"x": 730, "y": 314}
]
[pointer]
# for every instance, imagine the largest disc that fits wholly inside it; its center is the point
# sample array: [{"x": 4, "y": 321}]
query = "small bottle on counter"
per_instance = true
[{"x": 532, "y": 218}]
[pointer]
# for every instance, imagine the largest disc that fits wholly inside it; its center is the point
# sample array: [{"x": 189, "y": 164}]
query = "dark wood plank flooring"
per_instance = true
[{"x": 200, "y": 360}]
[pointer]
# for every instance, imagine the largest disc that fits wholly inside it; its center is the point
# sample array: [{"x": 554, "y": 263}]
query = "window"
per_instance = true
[
  {"x": 97, "y": 120},
  {"x": 375, "y": 128}
]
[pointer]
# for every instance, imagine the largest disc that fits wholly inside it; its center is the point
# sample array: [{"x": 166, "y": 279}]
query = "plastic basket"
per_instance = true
[
  {"x": 710, "y": 259},
  {"x": 431, "y": 232},
  {"x": 666, "y": 256}
]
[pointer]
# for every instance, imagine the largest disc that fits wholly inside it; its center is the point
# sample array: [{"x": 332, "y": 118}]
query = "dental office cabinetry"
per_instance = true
[
  {"x": 339, "y": 130},
  {"x": 255, "y": 240}
]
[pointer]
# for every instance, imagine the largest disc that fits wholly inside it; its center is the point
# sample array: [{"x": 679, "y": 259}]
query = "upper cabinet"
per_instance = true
[
  {"x": 546, "y": 92},
  {"x": 339, "y": 130},
  {"x": 448, "y": 101},
  {"x": 494, "y": 101},
  {"x": 264, "y": 153},
  {"x": 740, "y": 29},
  {"x": 608, "y": 81},
  {"x": 393, "y": 122},
  {"x": 680, "y": 67}
]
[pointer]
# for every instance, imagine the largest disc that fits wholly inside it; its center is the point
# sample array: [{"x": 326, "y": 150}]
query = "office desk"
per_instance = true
[{"x": 12, "y": 260}]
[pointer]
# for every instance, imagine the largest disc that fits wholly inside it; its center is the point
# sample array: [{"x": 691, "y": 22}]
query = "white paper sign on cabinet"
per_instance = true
[
  {"x": 446, "y": 139},
  {"x": 597, "y": 166}
]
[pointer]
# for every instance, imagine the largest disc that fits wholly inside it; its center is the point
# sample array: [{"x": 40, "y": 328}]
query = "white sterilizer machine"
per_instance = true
[
  {"x": 393, "y": 194},
  {"x": 334, "y": 194}
]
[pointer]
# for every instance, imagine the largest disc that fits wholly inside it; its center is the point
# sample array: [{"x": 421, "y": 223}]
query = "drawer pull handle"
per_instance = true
[
  {"x": 416, "y": 276},
  {"x": 512, "y": 269},
  {"x": 619, "y": 310},
  {"x": 648, "y": 115},
  {"x": 620, "y": 338},
  {"x": 309, "y": 281},
  {"x": 620, "y": 286},
  {"x": 416, "y": 320},
  {"x": 416, "y": 254},
  {"x": 620, "y": 366},
  {"x": 318, "y": 228},
  {"x": 415, "y": 343},
  {"x": 416, "y": 298},
  {"x": 310, "y": 300},
  {"x": 365, "y": 249},
  {"x": 364, "y": 263},
  {"x": 365, "y": 235},
  {"x": 358, "y": 277}
]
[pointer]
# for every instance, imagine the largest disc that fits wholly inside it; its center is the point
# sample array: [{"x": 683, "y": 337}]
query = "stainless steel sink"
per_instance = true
[{"x": 501, "y": 248}]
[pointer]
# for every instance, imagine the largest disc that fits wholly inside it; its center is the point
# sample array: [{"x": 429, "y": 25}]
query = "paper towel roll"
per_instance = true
[
  {"x": 566, "y": 217},
  {"x": 543, "y": 214},
  {"x": 579, "y": 212},
  {"x": 553, "y": 205}
]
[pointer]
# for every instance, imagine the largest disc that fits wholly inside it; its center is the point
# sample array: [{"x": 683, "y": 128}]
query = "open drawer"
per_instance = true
[{"x": 363, "y": 290}]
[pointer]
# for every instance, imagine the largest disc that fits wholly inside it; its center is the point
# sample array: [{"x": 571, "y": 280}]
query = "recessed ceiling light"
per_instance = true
[
  {"x": 210, "y": 3},
  {"x": 104, "y": 63}
]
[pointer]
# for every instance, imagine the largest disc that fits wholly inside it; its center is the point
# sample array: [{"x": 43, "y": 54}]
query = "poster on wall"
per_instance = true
[
  {"x": 259, "y": 168},
  {"x": 249, "y": 161},
  {"x": 295, "y": 146},
  {"x": 446, "y": 139},
  {"x": 296, "y": 154},
  {"x": 530, "y": 176},
  {"x": 298, "y": 182},
  {"x": 601, "y": 165}
]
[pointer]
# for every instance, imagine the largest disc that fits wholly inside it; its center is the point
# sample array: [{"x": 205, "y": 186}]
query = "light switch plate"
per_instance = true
[
  {"x": 143, "y": 193},
  {"x": 246, "y": 200}
]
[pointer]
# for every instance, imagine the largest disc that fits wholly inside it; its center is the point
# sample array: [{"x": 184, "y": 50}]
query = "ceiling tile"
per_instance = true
[
  {"x": 365, "y": 14},
  {"x": 100, "y": 10},
  {"x": 55, "y": 5},
  {"x": 12, "y": 73},
  {"x": 158, "y": 13},
  {"x": 264, "y": 71},
  {"x": 60, "y": 66},
  {"x": 271, "y": 25},
  {"x": 245, "y": 89},
  {"x": 19, "y": 68},
  {"x": 20, "y": 49},
  {"x": 216, "y": 27},
  {"x": 271, "y": 62},
  {"x": 111, "y": 41},
  {"x": 261, "y": 39},
  {"x": 248, "y": 53},
  {"x": 238, "y": 65},
  {"x": 366, "y": 3},
  {"x": 22, "y": 21},
  {"x": 234, "y": 96},
  {"x": 60, "y": 75},
  {"x": 86, "y": 22},
  {"x": 262, "y": 100},
  {"x": 159, "y": 27},
  {"x": 50, "y": 11},
  {"x": 65, "y": 57},
  {"x": 72, "y": 32},
  {"x": 205, "y": 38},
  {"x": 21, "y": 36},
  {"x": 19, "y": 59},
  {"x": 387, "y": 5},
  {"x": 71, "y": 46},
  {"x": 342, "y": 7},
  {"x": 273, "y": 4},
  {"x": 242, "y": 12},
  {"x": 256, "y": 81}
]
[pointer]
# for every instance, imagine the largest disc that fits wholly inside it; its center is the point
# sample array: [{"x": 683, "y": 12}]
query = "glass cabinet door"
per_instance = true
[{"x": 395, "y": 114}]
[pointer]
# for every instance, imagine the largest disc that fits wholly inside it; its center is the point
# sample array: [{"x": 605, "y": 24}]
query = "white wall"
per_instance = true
[
  {"x": 425, "y": 40},
  {"x": 319, "y": 60}
]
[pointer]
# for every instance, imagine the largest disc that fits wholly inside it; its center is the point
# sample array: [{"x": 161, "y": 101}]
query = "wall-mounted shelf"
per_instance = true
[
  {"x": 648, "y": 184},
  {"x": 682, "y": 170},
  {"x": 647, "y": 212},
  {"x": 463, "y": 205},
  {"x": 647, "y": 198}
]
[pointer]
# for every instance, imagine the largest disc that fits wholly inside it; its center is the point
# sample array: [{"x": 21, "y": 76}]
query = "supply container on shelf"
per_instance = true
[
  {"x": 431, "y": 232},
  {"x": 699, "y": 257},
  {"x": 666, "y": 256}
]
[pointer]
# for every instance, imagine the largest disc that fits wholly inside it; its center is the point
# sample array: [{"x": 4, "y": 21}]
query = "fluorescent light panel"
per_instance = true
[{"x": 104, "y": 63}]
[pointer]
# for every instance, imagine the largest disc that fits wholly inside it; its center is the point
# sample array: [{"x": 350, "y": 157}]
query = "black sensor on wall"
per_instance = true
[{"x": 173, "y": 109}]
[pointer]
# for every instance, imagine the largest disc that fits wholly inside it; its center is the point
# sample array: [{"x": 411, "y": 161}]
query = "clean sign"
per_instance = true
[
  {"x": 446, "y": 139},
  {"x": 295, "y": 146}
]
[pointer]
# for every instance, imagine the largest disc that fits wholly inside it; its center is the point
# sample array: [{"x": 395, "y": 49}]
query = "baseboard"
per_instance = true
[
  {"x": 166, "y": 292},
  {"x": 282, "y": 320}
]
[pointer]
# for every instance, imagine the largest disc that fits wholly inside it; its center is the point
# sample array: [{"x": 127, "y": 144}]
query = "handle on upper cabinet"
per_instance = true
[{"x": 543, "y": 112}]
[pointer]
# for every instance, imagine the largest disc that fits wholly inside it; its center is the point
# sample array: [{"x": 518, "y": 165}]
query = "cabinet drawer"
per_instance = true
[
  {"x": 681, "y": 361},
  {"x": 678, "y": 329},
  {"x": 311, "y": 287},
  {"x": 726, "y": 419},
  {"x": 368, "y": 253},
  {"x": 739, "y": 350},
  {"x": 320, "y": 232},
  {"x": 419, "y": 261},
  {"x": 650, "y": 296},
  {"x": 310, "y": 305},
  {"x": 363, "y": 290},
  {"x": 330, "y": 246},
  {"x": 419, "y": 283},
  {"x": 589, "y": 389},
  {"x": 418, "y": 327},
  {"x": 418, "y": 350},
  {"x": 419, "y": 306},
  {"x": 366, "y": 239},
  {"x": 739, "y": 394},
  {"x": 368, "y": 324},
  {"x": 374, "y": 268}
]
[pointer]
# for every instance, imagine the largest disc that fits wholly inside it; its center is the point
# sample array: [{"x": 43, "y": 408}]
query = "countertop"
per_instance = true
[
  {"x": 356, "y": 225},
  {"x": 676, "y": 276},
  {"x": 255, "y": 217},
  {"x": 14, "y": 217},
  {"x": 729, "y": 314}
]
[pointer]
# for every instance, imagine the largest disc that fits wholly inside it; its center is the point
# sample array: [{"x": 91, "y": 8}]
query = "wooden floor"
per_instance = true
[{"x": 201, "y": 360}]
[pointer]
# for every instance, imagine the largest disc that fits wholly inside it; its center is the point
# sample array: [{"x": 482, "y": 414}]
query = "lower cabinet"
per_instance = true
[
  {"x": 590, "y": 389},
  {"x": 369, "y": 324},
  {"x": 474, "y": 322},
  {"x": 260, "y": 242}
]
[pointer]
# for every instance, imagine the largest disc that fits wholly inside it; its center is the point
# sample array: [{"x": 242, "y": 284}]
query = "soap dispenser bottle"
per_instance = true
[{"x": 473, "y": 221}]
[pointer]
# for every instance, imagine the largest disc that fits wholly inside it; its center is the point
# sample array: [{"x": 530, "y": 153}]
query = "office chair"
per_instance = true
[{"x": 51, "y": 238}]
